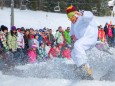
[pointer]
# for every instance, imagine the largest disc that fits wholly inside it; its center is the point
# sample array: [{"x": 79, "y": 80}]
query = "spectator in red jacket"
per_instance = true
[
  {"x": 66, "y": 53},
  {"x": 53, "y": 52}
]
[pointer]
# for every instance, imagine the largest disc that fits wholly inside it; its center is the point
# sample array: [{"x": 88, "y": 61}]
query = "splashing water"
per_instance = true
[{"x": 101, "y": 63}]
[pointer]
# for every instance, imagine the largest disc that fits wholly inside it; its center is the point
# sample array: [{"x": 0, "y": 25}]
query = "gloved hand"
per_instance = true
[
  {"x": 82, "y": 12},
  {"x": 10, "y": 50},
  {"x": 14, "y": 50}
]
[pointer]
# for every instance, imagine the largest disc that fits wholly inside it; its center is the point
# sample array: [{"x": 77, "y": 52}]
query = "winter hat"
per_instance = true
[
  {"x": 13, "y": 28},
  {"x": 34, "y": 45},
  {"x": 2, "y": 27},
  {"x": 40, "y": 30},
  {"x": 5, "y": 28},
  {"x": 44, "y": 28},
  {"x": 22, "y": 29},
  {"x": 71, "y": 11}
]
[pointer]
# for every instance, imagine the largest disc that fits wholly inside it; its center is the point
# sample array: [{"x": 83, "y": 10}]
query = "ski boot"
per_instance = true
[{"x": 86, "y": 72}]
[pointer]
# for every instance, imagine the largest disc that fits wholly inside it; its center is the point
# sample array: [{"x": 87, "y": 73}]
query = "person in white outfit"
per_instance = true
[
  {"x": 84, "y": 32},
  {"x": 20, "y": 40}
]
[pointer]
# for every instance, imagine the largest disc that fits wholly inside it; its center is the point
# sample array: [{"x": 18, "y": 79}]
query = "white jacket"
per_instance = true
[
  {"x": 59, "y": 37},
  {"x": 86, "y": 32},
  {"x": 20, "y": 40},
  {"x": 84, "y": 26}
]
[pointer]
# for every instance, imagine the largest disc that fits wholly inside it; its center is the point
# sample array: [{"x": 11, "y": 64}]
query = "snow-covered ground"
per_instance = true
[
  {"x": 57, "y": 72},
  {"x": 40, "y": 19}
]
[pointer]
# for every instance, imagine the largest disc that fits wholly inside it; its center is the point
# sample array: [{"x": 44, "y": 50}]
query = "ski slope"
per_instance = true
[
  {"x": 57, "y": 72},
  {"x": 40, "y": 19}
]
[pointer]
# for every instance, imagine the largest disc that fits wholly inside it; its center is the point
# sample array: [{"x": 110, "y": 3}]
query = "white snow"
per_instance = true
[
  {"x": 40, "y": 19},
  {"x": 17, "y": 81},
  {"x": 34, "y": 19},
  {"x": 57, "y": 72}
]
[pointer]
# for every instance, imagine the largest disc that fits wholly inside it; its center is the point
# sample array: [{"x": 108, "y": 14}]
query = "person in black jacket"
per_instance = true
[{"x": 106, "y": 30}]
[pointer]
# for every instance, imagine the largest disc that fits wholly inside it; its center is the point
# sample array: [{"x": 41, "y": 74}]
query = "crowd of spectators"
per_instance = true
[
  {"x": 107, "y": 34},
  {"x": 22, "y": 46}
]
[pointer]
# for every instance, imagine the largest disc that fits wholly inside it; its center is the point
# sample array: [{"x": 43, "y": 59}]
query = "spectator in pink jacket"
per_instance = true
[
  {"x": 110, "y": 35},
  {"x": 32, "y": 54}
]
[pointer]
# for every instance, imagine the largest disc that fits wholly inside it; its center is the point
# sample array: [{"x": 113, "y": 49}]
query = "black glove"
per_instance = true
[{"x": 10, "y": 50}]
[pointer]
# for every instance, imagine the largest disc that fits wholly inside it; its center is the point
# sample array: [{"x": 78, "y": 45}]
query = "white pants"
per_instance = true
[{"x": 80, "y": 47}]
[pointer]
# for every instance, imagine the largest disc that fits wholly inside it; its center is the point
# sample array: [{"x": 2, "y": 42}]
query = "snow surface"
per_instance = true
[
  {"x": 40, "y": 19},
  {"x": 57, "y": 72}
]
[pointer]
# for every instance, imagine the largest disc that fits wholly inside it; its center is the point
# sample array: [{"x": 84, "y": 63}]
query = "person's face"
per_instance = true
[
  {"x": 43, "y": 33},
  {"x": 27, "y": 32},
  {"x": 36, "y": 37},
  {"x": 34, "y": 49},
  {"x": 60, "y": 29},
  {"x": 60, "y": 47},
  {"x": 54, "y": 47},
  {"x": 68, "y": 28},
  {"x": 100, "y": 26},
  {"x": 40, "y": 33},
  {"x": 37, "y": 32},
  {"x": 73, "y": 19},
  {"x": 5, "y": 31},
  {"x": 42, "y": 45},
  {"x": 14, "y": 31},
  {"x": 50, "y": 31},
  {"x": 66, "y": 47},
  {"x": 31, "y": 31}
]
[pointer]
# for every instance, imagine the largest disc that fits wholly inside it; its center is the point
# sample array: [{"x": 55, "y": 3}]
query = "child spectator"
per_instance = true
[
  {"x": 36, "y": 40},
  {"x": 40, "y": 38},
  {"x": 101, "y": 34},
  {"x": 59, "y": 49},
  {"x": 42, "y": 53},
  {"x": 53, "y": 51},
  {"x": 45, "y": 38},
  {"x": 32, "y": 54},
  {"x": 66, "y": 53}
]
